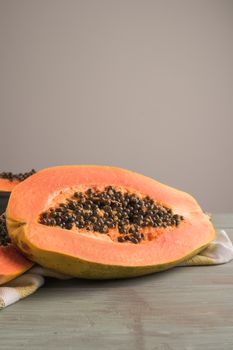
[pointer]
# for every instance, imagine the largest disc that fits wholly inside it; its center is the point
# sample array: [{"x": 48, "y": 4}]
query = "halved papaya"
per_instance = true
[
  {"x": 104, "y": 222},
  {"x": 8, "y": 180},
  {"x": 12, "y": 262},
  {"x": 7, "y": 185}
]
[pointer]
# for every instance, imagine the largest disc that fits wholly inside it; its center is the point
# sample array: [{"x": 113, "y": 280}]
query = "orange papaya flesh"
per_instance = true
[
  {"x": 7, "y": 185},
  {"x": 12, "y": 262},
  {"x": 89, "y": 253}
]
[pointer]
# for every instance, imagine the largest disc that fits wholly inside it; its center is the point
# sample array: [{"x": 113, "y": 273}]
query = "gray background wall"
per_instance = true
[{"x": 146, "y": 85}]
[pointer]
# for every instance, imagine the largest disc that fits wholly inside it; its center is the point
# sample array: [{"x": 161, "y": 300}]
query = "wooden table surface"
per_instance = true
[{"x": 183, "y": 308}]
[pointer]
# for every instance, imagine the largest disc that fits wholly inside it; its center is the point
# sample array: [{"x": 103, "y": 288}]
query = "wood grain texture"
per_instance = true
[{"x": 183, "y": 308}]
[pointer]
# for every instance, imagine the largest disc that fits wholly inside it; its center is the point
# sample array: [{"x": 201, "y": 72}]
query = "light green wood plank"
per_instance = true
[{"x": 183, "y": 308}]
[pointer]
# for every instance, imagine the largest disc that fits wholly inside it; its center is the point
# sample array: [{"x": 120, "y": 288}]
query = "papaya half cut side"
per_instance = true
[
  {"x": 12, "y": 262},
  {"x": 8, "y": 180},
  {"x": 102, "y": 222},
  {"x": 7, "y": 185}
]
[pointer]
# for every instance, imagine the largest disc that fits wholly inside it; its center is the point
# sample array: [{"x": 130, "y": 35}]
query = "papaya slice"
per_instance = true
[
  {"x": 8, "y": 180},
  {"x": 7, "y": 185},
  {"x": 102, "y": 222},
  {"x": 12, "y": 262}
]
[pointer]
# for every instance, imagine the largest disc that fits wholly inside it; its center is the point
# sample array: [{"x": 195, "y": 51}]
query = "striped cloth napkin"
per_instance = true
[{"x": 220, "y": 251}]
